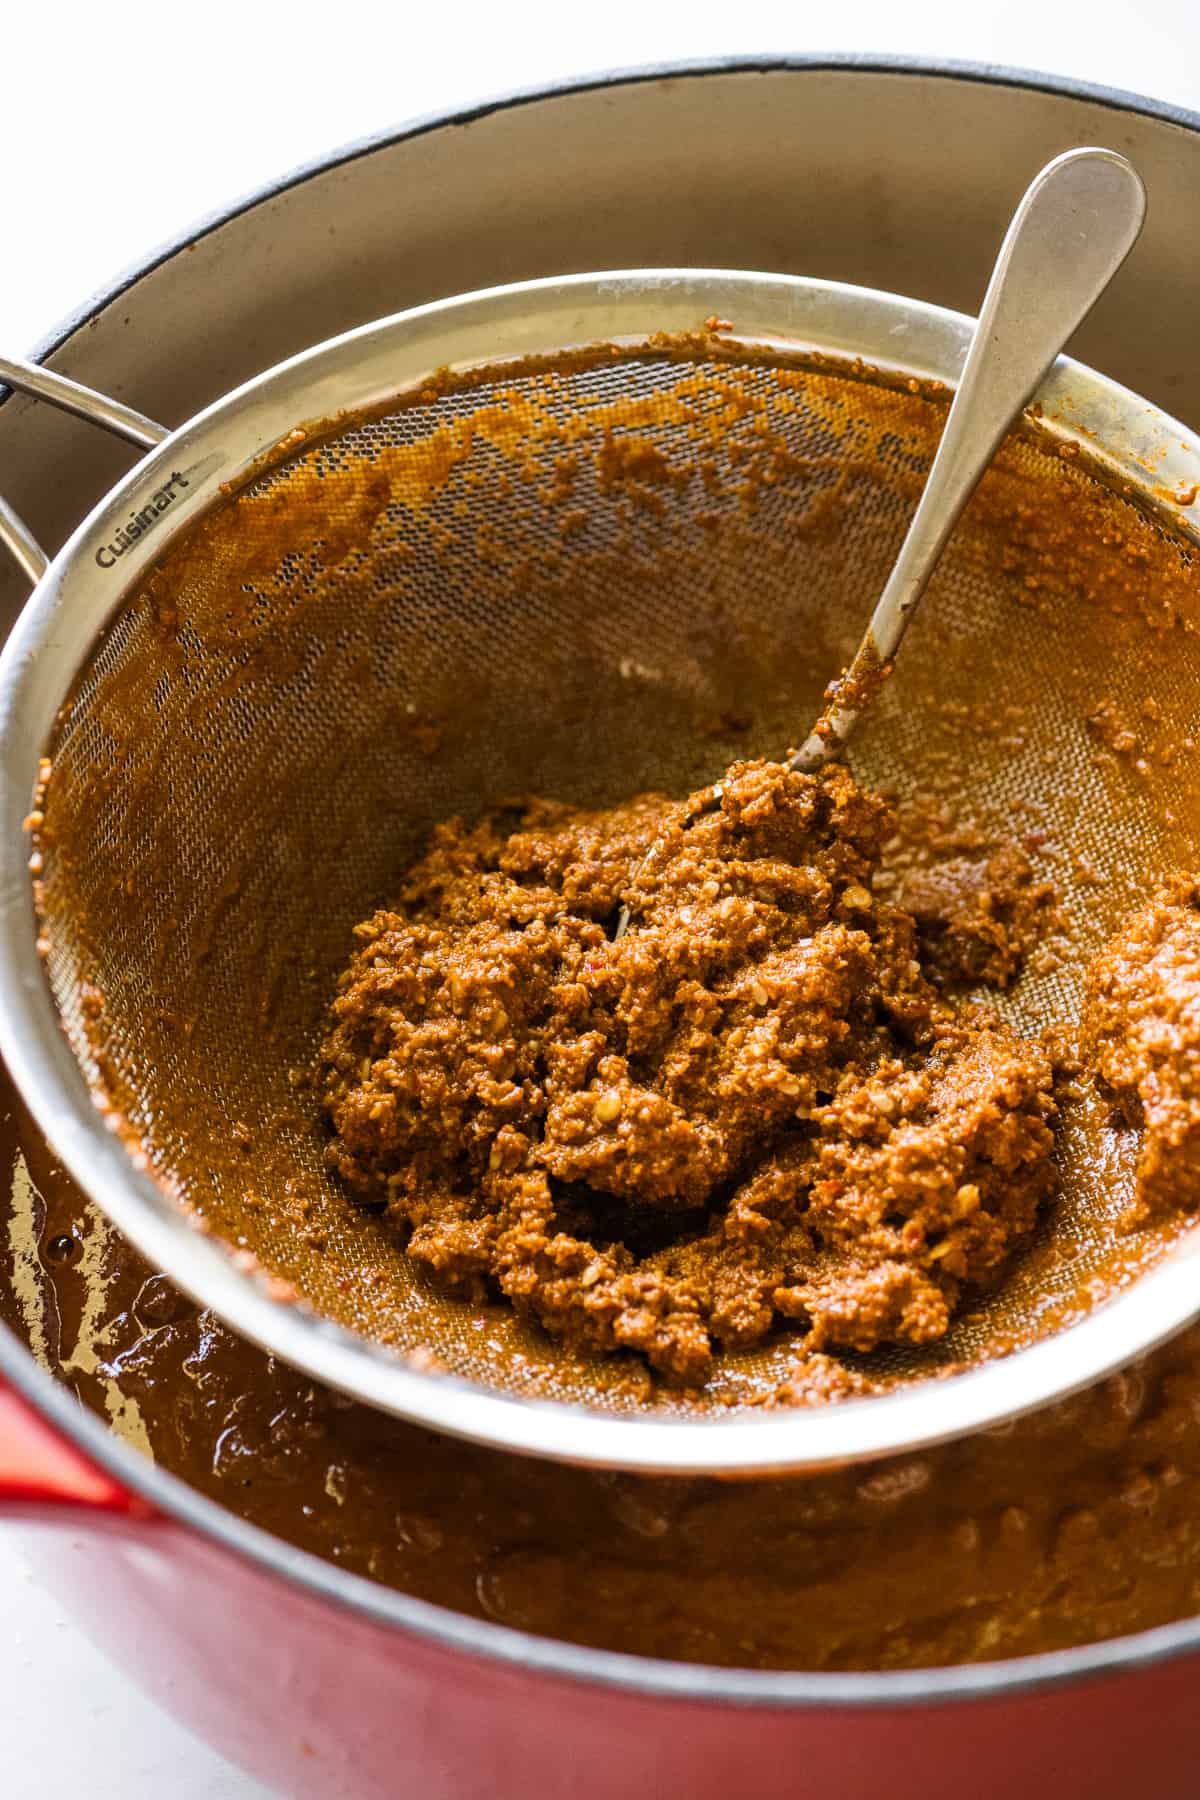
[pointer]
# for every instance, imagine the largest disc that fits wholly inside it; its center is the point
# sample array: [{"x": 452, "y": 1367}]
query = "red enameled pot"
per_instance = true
[
  {"x": 324, "y": 1684},
  {"x": 318, "y": 1681}
]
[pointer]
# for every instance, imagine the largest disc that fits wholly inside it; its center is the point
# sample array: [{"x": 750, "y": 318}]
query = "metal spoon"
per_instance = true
[
  {"x": 1074, "y": 228},
  {"x": 1078, "y": 221}
]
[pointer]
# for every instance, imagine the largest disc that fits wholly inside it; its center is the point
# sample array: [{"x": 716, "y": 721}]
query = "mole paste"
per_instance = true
[
  {"x": 1142, "y": 1035},
  {"x": 757, "y": 1105}
]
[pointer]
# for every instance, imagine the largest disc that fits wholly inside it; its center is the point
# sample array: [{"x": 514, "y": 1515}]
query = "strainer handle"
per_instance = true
[
  {"x": 84, "y": 403},
  {"x": 1077, "y": 223}
]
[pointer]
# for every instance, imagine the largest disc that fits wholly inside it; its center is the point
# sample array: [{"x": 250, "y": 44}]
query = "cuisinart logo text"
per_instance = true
[{"x": 139, "y": 523}]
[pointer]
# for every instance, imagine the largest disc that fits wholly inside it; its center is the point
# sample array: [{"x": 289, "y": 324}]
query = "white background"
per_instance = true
[{"x": 119, "y": 124}]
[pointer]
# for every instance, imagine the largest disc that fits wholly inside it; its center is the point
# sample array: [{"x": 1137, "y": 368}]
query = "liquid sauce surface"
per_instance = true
[{"x": 1076, "y": 1525}]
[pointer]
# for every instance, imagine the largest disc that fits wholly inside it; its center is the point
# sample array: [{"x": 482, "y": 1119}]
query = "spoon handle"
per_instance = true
[{"x": 1077, "y": 223}]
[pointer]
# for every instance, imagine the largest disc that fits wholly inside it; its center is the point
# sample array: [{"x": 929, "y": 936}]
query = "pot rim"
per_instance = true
[
  {"x": 456, "y": 1632},
  {"x": 686, "y": 68}
]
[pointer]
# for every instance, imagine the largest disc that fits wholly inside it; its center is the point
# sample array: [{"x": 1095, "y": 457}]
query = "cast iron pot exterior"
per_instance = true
[{"x": 320, "y": 1682}]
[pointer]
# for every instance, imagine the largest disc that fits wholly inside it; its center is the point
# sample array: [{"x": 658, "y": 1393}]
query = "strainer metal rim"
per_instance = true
[{"x": 1136, "y": 445}]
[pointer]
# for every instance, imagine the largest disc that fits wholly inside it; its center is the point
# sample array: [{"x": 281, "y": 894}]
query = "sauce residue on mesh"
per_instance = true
[{"x": 1142, "y": 1034}]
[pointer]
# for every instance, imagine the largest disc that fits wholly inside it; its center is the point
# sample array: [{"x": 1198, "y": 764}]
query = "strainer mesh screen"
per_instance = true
[{"x": 579, "y": 580}]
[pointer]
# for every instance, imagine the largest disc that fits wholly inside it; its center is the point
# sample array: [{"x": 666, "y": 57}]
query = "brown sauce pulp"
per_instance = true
[{"x": 753, "y": 1108}]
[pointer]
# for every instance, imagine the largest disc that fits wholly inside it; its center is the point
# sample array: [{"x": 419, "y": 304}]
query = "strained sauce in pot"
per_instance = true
[{"x": 1078, "y": 1524}]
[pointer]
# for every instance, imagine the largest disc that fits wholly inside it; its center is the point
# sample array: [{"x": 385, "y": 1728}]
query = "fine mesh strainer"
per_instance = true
[{"x": 394, "y": 579}]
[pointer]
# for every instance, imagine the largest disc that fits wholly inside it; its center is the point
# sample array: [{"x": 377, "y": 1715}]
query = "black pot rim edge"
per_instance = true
[{"x": 456, "y": 1632}]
